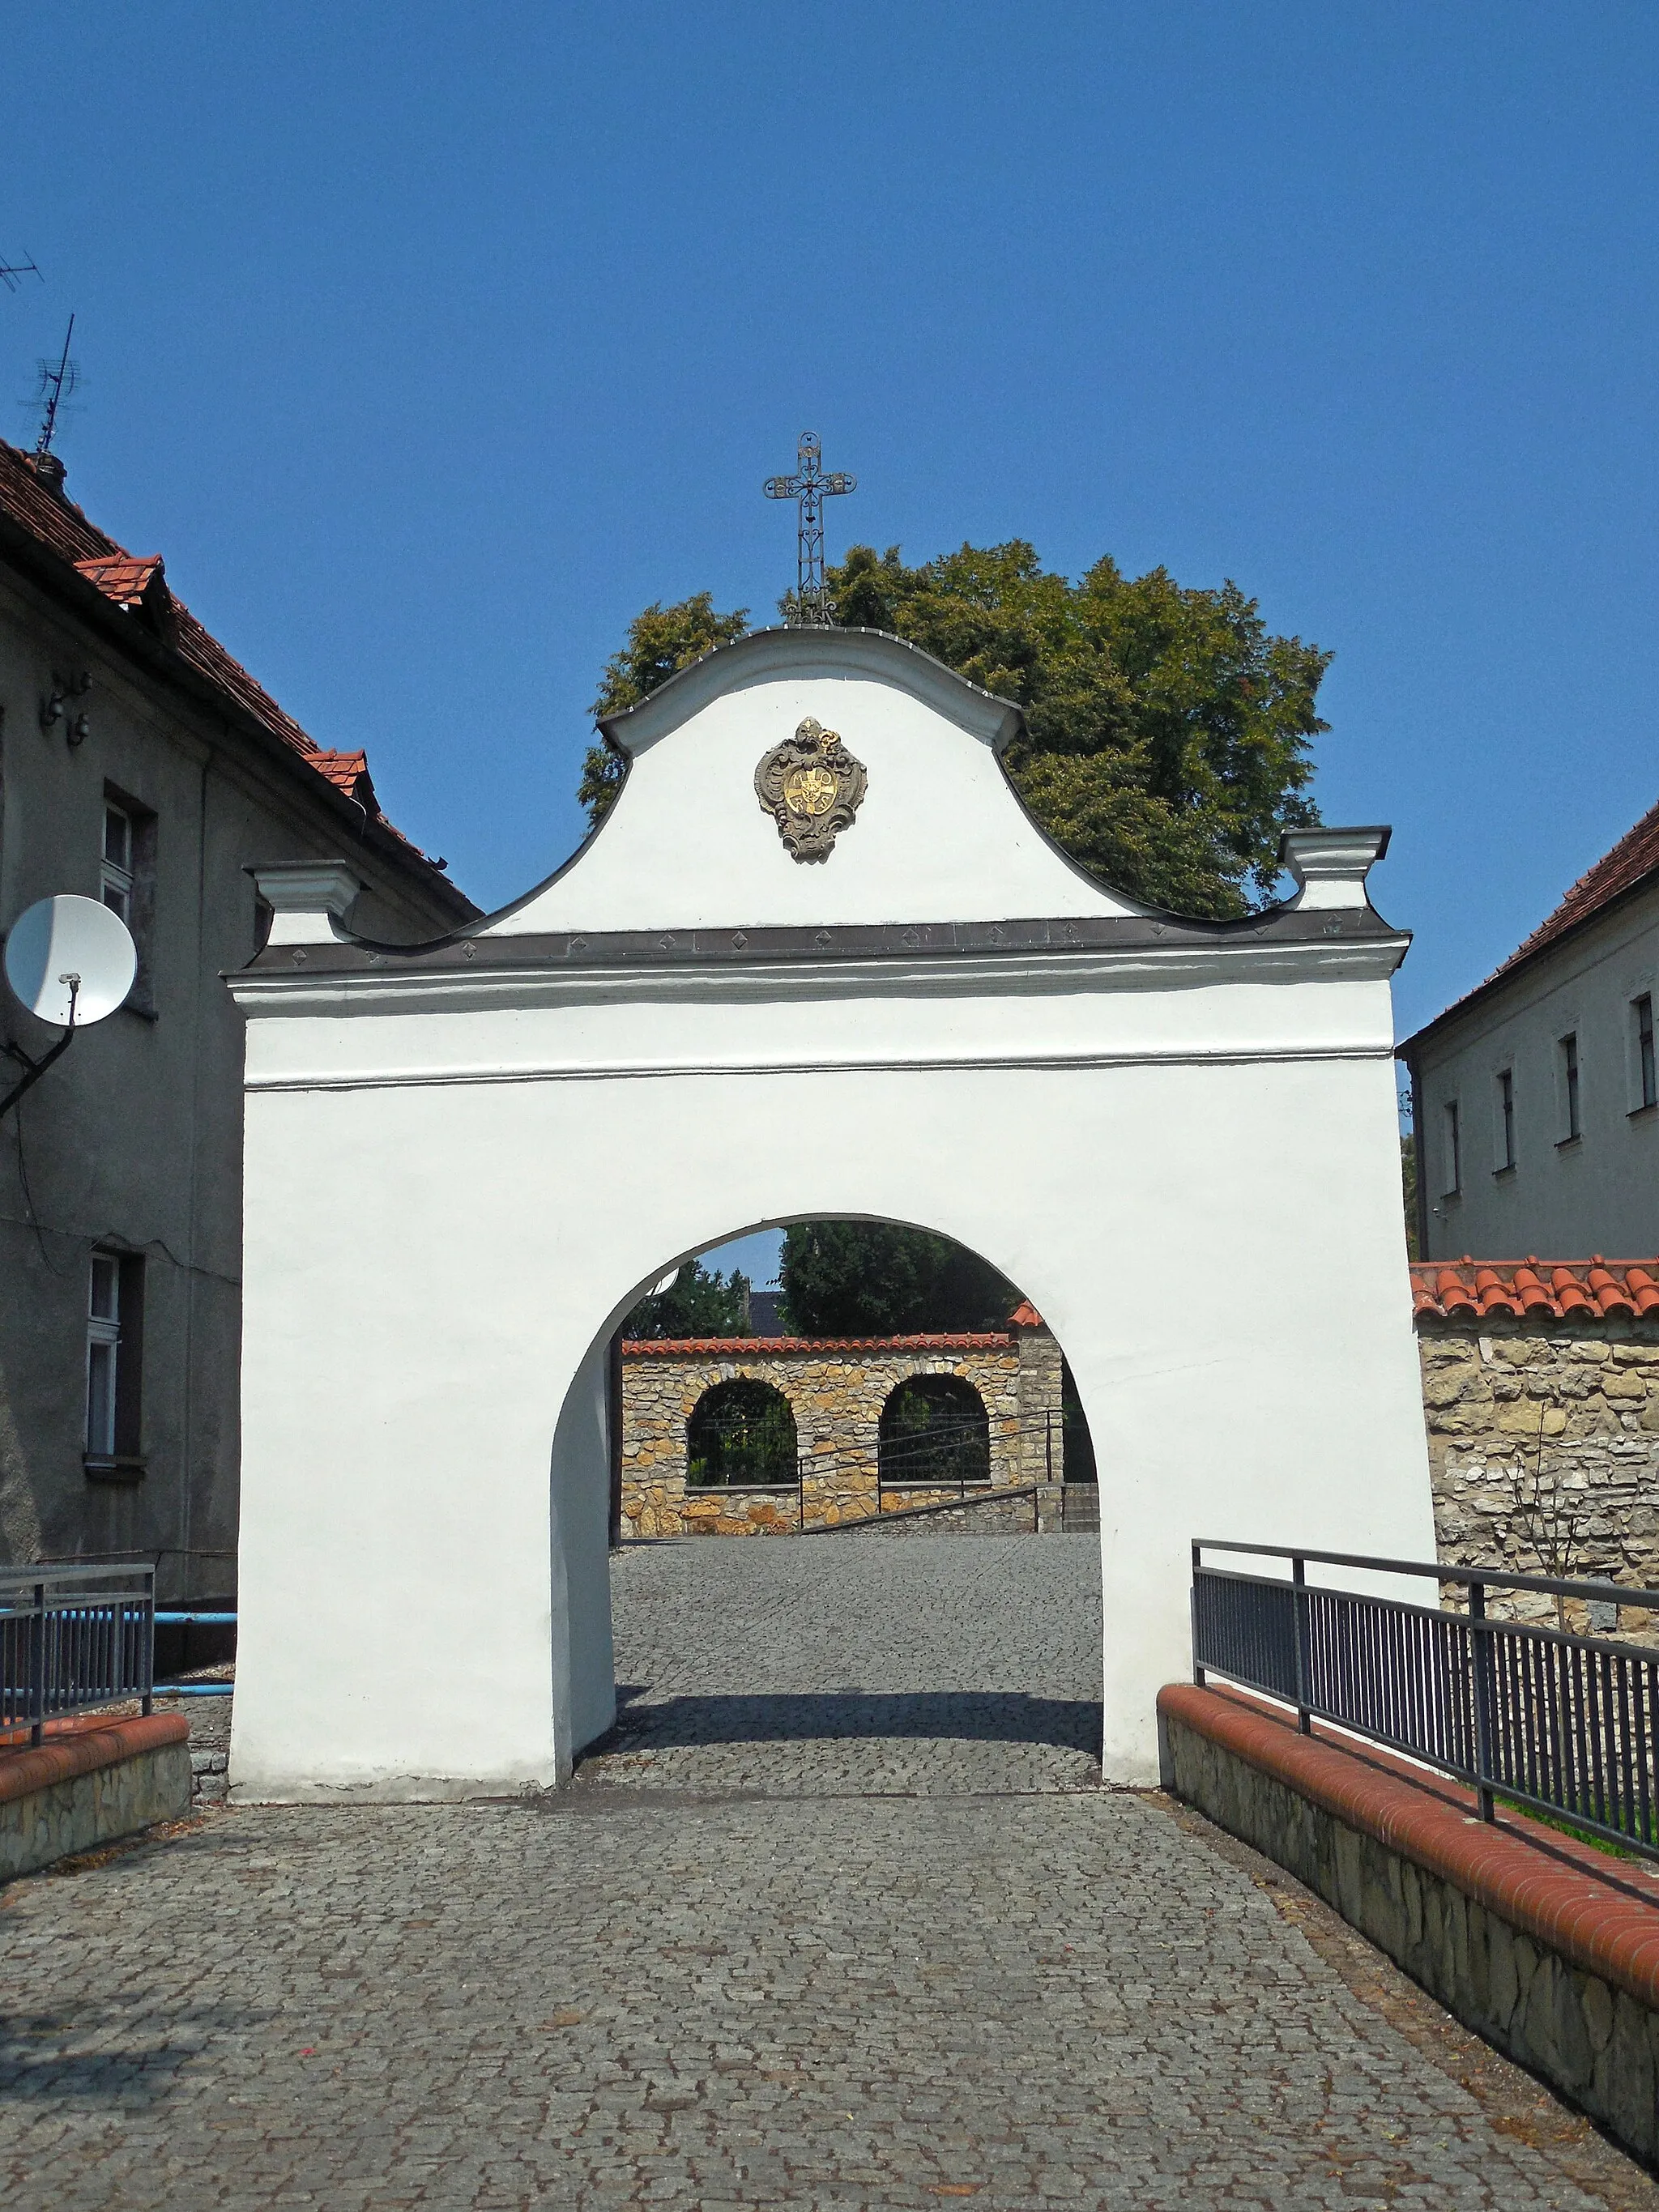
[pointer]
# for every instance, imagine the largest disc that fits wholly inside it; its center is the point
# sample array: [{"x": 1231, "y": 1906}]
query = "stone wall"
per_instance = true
[
  {"x": 91, "y": 1782},
  {"x": 837, "y": 1388},
  {"x": 1543, "y": 1430},
  {"x": 1544, "y": 1952}
]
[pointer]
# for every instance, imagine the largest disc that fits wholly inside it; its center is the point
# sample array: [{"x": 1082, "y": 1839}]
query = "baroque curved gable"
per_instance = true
[{"x": 926, "y": 825}]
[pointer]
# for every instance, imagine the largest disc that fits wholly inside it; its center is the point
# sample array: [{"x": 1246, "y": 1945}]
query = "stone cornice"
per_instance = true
[{"x": 1020, "y": 957}]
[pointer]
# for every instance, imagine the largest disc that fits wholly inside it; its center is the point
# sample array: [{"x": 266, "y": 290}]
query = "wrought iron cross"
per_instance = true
[{"x": 809, "y": 486}]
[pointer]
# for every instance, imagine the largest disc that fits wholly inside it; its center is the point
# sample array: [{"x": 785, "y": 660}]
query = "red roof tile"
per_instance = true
[
  {"x": 1534, "y": 1288},
  {"x": 59, "y": 525},
  {"x": 1025, "y": 1316},
  {"x": 123, "y": 577},
  {"x": 748, "y": 1347},
  {"x": 1632, "y": 861}
]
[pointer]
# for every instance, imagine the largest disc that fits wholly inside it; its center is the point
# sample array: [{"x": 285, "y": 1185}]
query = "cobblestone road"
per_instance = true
[{"x": 730, "y": 1967}]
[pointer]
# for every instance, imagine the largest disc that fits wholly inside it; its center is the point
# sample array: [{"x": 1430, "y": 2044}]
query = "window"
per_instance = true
[
  {"x": 103, "y": 1353},
  {"x": 1505, "y": 1120},
  {"x": 1646, "y": 1085},
  {"x": 934, "y": 1430},
  {"x": 1567, "y": 1070},
  {"x": 116, "y": 876},
  {"x": 115, "y": 1306},
  {"x": 1452, "y": 1160},
  {"x": 741, "y": 1432}
]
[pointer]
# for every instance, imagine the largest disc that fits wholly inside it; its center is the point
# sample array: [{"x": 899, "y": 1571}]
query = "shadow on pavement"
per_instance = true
[{"x": 829, "y": 1716}]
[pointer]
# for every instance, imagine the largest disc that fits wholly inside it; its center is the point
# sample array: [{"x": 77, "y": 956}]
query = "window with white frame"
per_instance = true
[
  {"x": 116, "y": 873},
  {"x": 1451, "y": 1182},
  {"x": 1644, "y": 1074},
  {"x": 1503, "y": 1123},
  {"x": 1568, "y": 1089},
  {"x": 103, "y": 1353}
]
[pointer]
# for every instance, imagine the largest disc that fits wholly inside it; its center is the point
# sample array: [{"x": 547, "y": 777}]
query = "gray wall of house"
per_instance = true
[
  {"x": 1565, "y": 1196},
  {"x": 133, "y": 1141}
]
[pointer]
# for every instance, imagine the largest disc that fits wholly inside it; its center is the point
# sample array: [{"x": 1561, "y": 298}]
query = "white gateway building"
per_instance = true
[{"x": 817, "y": 960}]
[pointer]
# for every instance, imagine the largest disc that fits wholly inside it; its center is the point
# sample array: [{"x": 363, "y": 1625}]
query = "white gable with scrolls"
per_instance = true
[
  {"x": 465, "y": 1161},
  {"x": 939, "y": 835}
]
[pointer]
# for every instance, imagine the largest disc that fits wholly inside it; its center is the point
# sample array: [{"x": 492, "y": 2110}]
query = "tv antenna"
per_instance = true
[
  {"x": 12, "y": 273},
  {"x": 58, "y": 380}
]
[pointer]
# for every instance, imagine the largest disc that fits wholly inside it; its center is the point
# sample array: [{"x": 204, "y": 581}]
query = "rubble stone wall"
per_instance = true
[
  {"x": 1545, "y": 1435},
  {"x": 836, "y": 1392}
]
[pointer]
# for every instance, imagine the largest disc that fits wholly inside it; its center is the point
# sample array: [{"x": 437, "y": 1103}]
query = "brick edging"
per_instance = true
[
  {"x": 83, "y": 1750},
  {"x": 1551, "y": 1894}
]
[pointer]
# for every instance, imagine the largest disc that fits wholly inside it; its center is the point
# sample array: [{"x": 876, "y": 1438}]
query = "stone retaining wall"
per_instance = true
[
  {"x": 1549, "y": 1950},
  {"x": 90, "y": 1783},
  {"x": 837, "y": 1388},
  {"x": 1562, "y": 1417}
]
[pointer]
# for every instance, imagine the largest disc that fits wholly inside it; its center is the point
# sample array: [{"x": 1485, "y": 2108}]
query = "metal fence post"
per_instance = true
[
  {"x": 38, "y": 1666},
  {"x": 1480, "y": 1660},
  {"x": 1191, "y": 1610},
  {"x": 1299, "y": 1615},
  {"x": 147, "y": 1660}
]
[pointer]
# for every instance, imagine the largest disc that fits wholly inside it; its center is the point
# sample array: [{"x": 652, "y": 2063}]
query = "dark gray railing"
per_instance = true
[
  {"x": 72, "y": 1637},
  {"x": 1565, "y": 1725}
]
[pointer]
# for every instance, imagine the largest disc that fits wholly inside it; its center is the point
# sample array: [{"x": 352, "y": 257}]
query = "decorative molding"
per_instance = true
[
  {"x": 308, "y": 980},
  {"x": 1057, "y": 1062},
  {"x": 812, "y": 788}
]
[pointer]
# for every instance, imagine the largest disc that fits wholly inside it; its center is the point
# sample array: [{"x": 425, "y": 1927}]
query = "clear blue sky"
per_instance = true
[{"x": 429, "y": 343}]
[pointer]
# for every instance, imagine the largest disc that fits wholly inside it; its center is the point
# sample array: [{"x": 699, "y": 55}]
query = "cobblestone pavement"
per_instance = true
[
  {"x": 713, "y": 1980},
  {"x": 941, "y": 1664}
]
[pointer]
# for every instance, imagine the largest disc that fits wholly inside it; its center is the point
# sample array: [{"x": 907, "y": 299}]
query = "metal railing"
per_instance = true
[
  {"x": 73, "y": 1637},
  {"x": 1567, "y": 1725}
]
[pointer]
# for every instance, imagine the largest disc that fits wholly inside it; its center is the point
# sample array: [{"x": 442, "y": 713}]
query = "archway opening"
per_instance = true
[
  {"x": 934, "y": 1432},
  {"x": 741, "y": 1432},
  {"x": 899, "y": 1408}
]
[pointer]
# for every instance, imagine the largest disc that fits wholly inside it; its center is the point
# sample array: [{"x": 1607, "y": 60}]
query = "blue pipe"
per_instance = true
[
  {"x": 214, "y": 1619},
  {"x": 191, "y": 1689}
]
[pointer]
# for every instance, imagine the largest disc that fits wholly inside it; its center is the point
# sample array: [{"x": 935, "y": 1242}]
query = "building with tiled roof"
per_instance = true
[
  {"x": 1535, "y": 1096},
  {"x": 142, "y": 764}
]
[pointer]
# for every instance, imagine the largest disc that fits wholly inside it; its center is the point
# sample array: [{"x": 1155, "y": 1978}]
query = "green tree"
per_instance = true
[
  {"x": 660, "y": 641},
  {"x": 880, "y": 1279},
  {"x": 699, "y": 1302},
  {"x": 1167, "y": 731}
]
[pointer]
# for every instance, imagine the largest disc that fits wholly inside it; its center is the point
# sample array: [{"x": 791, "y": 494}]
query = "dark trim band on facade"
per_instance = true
[{"x": 659, "y": 948}]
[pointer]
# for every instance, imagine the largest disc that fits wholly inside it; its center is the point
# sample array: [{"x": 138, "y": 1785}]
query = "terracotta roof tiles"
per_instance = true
[
  {"x": 1632, "y": 861},
  {"x": 1534, "y": 1288},
  {"x": 131, "y": 581},
  {"x": 123, "y": 577},
  {"x": 751, "y": 1348}
]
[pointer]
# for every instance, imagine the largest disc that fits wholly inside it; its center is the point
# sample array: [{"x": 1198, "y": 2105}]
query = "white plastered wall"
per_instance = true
[{"x": 457, "y": 1184}]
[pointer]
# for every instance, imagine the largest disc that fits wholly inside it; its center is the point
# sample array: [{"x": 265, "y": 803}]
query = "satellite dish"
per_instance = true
[{"x": 70, "y": 959}]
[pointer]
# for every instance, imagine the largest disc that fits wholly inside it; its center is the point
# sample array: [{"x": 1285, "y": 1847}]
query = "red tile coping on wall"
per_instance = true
[
  {"x": 747, "y": 1347},
  {"x": 81, "y": 1746},
  {"x": 1563, "y": 1892},
  {"x": 1533, "y": 1289}
]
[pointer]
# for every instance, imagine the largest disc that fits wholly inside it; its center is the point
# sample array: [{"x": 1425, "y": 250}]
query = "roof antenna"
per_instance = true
[
  {"x": 12, "y": 273},
  {"x": 57, "y": 383}
]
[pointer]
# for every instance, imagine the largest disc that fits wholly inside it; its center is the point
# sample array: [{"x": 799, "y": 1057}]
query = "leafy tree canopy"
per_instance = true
[
  {"x": 699, "y": 1302},
  {"x": 880, "y": 1279},
  {"x": 1168, "y": 730},
  {"x": 660, "y": 641}
]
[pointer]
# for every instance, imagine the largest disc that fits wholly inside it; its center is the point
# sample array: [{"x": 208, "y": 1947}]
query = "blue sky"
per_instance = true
[{"x": 428, "y": 344}]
